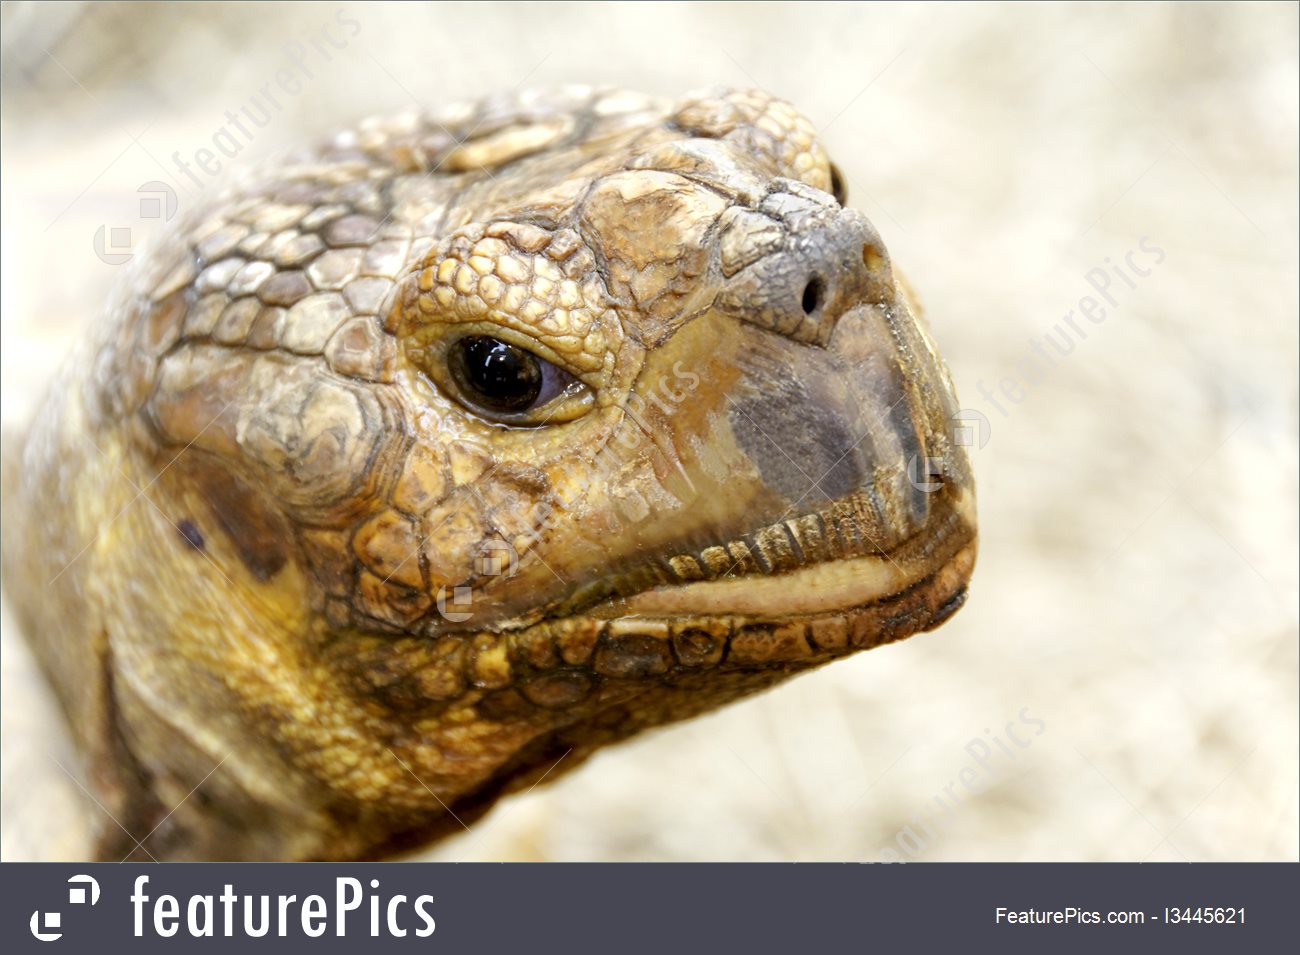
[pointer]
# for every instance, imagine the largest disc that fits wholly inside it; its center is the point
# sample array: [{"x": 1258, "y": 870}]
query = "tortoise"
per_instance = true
[{"x": 466, "y": 442}]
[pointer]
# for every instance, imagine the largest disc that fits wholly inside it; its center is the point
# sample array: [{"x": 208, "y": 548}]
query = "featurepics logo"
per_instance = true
[
  {"x": 259, "y": 915},
  {"x": 48, "y": 926}
]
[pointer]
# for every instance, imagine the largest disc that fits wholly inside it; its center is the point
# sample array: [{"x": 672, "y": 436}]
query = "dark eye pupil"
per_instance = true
[{"x": 496, "y": 374}]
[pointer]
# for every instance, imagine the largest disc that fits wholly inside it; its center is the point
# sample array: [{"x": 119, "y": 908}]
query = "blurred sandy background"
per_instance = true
[{"x": 1134, "y": 613}]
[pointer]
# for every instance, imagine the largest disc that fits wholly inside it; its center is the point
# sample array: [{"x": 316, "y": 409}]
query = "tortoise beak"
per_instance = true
[{"x": 856, "y": 488}]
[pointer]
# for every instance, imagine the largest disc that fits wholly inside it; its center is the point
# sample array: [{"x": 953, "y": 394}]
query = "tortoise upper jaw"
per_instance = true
[{"x": 832, "y": 585}]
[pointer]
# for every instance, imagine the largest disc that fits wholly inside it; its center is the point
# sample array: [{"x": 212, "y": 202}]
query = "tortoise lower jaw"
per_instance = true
[
  {"x": 798, "y": 618},
  {"x": 715, "y": 634}
]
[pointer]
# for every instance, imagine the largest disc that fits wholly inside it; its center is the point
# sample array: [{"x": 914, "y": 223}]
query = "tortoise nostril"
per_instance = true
[
  {"x": 812, "y": 295},
  {"x": 872, "y": 259}
]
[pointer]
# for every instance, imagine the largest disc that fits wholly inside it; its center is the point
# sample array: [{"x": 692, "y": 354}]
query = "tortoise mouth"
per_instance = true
[
  {"x": 678, "y": 630},
  {"x": 826, "y": 587},
  {"x": 845, "y": 583}
]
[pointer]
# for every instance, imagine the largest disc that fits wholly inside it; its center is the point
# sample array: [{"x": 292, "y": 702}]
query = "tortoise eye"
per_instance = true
[
  {"x": 507, "y": 383},
  {"x": 838, "y": 189},
  {"x": 496, "y": 375}
]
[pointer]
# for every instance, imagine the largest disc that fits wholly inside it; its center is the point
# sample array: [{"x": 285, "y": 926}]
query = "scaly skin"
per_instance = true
[{"x": 259, "y": 523}]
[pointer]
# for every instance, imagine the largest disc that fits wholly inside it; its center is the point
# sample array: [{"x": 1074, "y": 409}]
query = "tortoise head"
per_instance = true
[
  {"x": 644, "y": 420},
  {"x": 676, "y": 432},
  {"x": 678, "y": 405}
]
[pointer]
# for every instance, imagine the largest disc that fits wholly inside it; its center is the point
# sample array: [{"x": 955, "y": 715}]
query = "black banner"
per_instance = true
[{"x": 475, "y": 907}]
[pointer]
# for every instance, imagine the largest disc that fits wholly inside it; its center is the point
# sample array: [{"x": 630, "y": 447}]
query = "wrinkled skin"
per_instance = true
[{"x": 261, "y": 525}]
